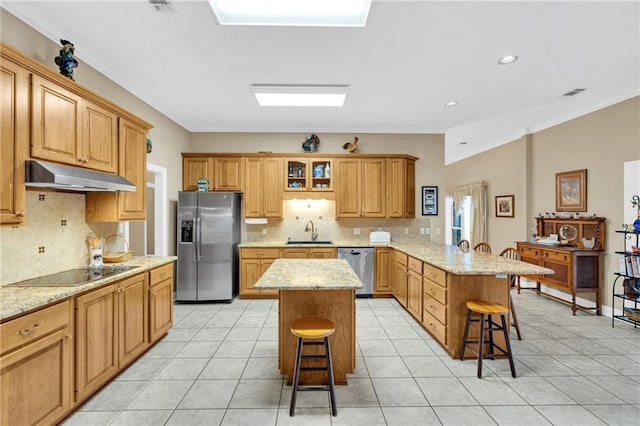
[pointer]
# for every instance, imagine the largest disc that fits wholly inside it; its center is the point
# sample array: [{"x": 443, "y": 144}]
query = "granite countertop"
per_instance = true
[
  {"x": 446, "y": 257},
  {"x": 309, "y": 274},
  {"x": 18, "y": 300}
]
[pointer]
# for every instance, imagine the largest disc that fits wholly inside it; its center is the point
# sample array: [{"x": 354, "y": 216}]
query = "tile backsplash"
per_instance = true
[{"x": 52, "y": 238}]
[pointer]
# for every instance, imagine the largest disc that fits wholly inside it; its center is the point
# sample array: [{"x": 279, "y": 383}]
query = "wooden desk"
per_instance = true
[{"x": 315, "y": 288}]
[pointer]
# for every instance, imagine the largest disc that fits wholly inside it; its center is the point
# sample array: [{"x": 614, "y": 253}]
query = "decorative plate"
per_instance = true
[{"x": 568, "y": 232}]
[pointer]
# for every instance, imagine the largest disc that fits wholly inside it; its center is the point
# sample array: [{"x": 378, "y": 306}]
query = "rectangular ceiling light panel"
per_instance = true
[
  {"x": 300, "y": 96},
  {"x": 312, "y": 13}
]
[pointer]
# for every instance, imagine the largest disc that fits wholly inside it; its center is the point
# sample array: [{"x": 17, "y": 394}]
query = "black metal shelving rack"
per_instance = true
[{"x": 620, "y": 277}]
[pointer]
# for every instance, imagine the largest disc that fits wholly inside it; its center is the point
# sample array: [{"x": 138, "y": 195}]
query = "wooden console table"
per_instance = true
[{"x": 577, "y": 269}]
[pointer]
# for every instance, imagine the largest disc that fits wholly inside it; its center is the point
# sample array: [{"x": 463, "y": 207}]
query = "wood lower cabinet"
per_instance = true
[
  {"x": 576, "y": 270},
  {"x": 382, "y": 276},
  {"x": 112, "y": 330},
  {"x": 14, "y": 140},
  {"x": 36, "y": 366},
  {"x": 253, "y": 263},
  {"x": 399, "y": 283},
  {"x": 310, "y": 253},
  {"x": 414, "y": 288},
  {"x": 160, "y": 301},
  {"x": 434, "y": 301}
]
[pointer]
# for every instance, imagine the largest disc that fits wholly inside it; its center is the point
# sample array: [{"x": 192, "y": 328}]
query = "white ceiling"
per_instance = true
[{"x": 411, "y": 58}]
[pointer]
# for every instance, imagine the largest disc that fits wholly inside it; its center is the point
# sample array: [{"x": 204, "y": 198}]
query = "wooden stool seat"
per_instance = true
[
  {"x": 487, "y": 325},
  {"x": 313, "y": 329}
]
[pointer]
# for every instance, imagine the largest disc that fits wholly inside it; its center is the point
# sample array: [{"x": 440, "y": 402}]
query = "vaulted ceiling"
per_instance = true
[{"x": 410, "y": 59}]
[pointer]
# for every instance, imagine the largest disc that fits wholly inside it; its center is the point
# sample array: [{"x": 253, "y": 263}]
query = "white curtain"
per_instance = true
[{"x": 477, "y": 192}]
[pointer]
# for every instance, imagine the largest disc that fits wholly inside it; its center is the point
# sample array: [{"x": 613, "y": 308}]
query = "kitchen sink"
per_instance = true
[{"x": 310, "y": 242}]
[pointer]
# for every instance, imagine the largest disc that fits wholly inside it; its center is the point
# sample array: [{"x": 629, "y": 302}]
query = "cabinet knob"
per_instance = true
[
  {"x": 20, "y": 214},
  {"x": 68, "y": 336}
]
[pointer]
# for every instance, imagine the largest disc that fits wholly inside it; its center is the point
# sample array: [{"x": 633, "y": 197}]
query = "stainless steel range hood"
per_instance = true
[{"x": 42, "y": 174}]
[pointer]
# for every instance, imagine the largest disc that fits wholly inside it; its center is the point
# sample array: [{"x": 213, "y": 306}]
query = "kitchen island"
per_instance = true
[{"x": 315, "y": 288}]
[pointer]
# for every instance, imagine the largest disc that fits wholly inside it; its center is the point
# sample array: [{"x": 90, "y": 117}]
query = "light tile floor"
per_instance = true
[{"x": 218, "y": 365}]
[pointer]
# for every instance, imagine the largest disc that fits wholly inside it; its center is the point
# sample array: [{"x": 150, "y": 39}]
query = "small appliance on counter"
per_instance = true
[{"x": 380, "y": 237}]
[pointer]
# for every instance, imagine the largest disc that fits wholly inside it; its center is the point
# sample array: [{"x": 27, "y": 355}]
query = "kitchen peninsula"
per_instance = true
[{"x": 315, "y": 288}]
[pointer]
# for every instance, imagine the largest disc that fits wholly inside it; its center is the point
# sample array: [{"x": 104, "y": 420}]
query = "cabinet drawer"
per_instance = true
[
  {"x": 435, "y": 308},
  {"x": 434, "y": 290},
  {"x": 435, "y": 327},
  {"x": 530, "y": 252},
  {"x": 415, "y": 265},
  {"x": 161, "y": 273},
  {"x": 265, "y": 253},
  {"x": 434, "y": 274},
  {"x": 401, "y": 258},
  {"x": 556, "y": 255},
  {"x": 28, "y": 328}
]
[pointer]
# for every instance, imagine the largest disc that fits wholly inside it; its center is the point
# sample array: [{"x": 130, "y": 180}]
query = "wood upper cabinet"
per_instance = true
[
  {"x": 229, "y": 173},
  {"x": 360, "y": 187},
  {"x": 14, "y": 140},
  {"x": 401, "y": 187},
  {"x": 117, "y": 206},
  {"x": 36, "y": 366},
  {"x": 69, "y": 129},
  {"x": 263, "y": 187},
  {"x": 382, "y": 277},
  {"x": 308, "y": 174},
  {"x": 194, "y": 168}
]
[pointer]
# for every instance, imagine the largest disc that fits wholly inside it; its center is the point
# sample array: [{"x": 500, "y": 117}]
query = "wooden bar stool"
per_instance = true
[
  {"x": 313, "y": 328},
  {"x": 511, "y": 253},
  {"x": 487, "y": 310}
]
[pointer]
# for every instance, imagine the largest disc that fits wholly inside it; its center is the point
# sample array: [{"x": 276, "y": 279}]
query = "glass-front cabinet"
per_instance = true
[{"x": 308, "y": 174}]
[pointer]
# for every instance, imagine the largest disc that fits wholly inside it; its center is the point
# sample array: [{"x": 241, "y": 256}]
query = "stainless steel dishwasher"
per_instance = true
[{"x": 362, "y": 261}]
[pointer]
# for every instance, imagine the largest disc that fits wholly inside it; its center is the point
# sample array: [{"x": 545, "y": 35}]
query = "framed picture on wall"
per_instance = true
[
  {"x": 505, "y": 205},
  {"x": 429, "y": 201},
  {"x": 571, "y": 191}
]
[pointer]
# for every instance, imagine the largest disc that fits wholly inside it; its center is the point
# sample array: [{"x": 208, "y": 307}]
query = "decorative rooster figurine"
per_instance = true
[{"x": 351, "y": 146}]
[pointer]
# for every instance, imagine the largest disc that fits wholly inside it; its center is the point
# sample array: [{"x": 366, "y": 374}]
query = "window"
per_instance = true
[{"x": 457, "y": 220}]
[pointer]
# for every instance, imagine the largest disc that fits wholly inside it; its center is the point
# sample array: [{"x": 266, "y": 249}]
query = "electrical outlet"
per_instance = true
[
  {"x": 438, "y": 231},
  {"x": 264, "y": 231},
  {"x": 421, "y": 231},
  {"x": 356, "y": 231},
  {"x": 427, "y": 231},
  {"x": 406, "y": 231}
]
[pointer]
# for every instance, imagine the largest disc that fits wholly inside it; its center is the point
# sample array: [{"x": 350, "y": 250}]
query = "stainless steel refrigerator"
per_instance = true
[{"x": 208, "y": 238}]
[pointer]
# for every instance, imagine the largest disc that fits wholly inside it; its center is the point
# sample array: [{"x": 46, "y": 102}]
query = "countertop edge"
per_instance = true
[{"x": 18, "y": 301}]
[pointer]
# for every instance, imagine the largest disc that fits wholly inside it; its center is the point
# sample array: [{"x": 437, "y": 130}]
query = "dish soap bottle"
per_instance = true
[{"x": 327, "y": 171}]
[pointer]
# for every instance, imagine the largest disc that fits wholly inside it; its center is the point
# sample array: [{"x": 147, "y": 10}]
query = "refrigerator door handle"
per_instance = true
[{"x": 198, "y": 233}]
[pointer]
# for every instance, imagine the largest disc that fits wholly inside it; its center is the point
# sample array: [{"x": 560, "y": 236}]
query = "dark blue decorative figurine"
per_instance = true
[
  {"x": 65, "y": 61},
  {"x": 311, "y": 143}
]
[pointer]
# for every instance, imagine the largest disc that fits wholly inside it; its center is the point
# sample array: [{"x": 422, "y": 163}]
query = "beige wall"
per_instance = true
[
  {"x": 599, "y": 142},
  {"x": 169, "y": 140},
  {"x": 429, "y": 171}
]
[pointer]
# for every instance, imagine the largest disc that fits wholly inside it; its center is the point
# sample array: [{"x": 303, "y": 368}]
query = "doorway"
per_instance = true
[{"x": 149, "y": 237}]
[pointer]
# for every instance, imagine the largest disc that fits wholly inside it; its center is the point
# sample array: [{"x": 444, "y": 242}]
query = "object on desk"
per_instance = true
[
  {"x": 548, "y": 242},
  {"x": 203, "y": 185},
  {"x": 351, "y": 146},
  {"x": 311, "y": 143},
  {"x": 591, "y": 243},
  {"x": 116, "y": 249}
]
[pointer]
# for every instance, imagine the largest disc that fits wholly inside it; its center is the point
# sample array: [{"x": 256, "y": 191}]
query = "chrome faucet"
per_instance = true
[{"x": 314, "y": 233}]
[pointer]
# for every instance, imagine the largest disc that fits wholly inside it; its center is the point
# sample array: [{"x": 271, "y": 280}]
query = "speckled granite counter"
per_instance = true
[
  {"x": 309, "y": 274},
  {"x": 446, "y": 257},
  {"x": 18, "y": 300}
]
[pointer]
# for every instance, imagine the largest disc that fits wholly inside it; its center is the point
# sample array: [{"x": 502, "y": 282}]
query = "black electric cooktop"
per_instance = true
[{"x": 73, "y": 277}]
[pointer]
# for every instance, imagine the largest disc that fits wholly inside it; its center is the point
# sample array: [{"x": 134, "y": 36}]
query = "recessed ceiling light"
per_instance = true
[
  {"x": 464, "y": 143},
  {"x": 509, "y": 59},
  {"x": 300, "y": 96},
  {"x": 315, "y": 13},
  {"x": 451, "y": 103}
]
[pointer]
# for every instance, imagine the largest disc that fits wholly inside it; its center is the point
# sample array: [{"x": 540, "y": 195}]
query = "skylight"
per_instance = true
[
  {"x": 300, "y": 96},
  {"x": 316, "y": 13}
]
